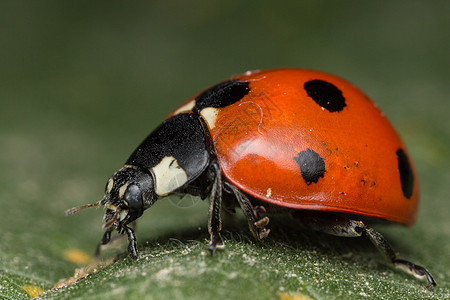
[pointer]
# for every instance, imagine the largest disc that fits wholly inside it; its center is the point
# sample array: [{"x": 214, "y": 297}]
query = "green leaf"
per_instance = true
[{"x": 82, "y": 84}]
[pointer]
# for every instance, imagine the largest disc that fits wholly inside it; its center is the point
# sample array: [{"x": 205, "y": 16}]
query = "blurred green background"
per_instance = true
[{"x": 83, "y": 82}]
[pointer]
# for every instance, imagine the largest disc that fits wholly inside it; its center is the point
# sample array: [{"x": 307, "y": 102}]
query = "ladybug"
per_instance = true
[{"x": 305, "y": 141}]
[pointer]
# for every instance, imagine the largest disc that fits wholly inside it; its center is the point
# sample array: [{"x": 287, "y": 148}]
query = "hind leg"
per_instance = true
[{"x": 341, "y": 226}]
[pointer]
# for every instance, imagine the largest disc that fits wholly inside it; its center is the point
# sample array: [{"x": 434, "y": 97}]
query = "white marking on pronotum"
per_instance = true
[
  {"x": 269, "y": 192},
  {"x": 168, "y": 176},
  {"x": 209, "y": 114},
  {"x": 185, "y": 108}
]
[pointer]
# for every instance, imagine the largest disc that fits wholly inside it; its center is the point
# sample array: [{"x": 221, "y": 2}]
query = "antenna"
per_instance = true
[{"x": 78, "y": 208}]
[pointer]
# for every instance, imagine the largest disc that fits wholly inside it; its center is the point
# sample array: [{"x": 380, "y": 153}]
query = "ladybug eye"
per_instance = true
[{"x": 133, "y": 196}]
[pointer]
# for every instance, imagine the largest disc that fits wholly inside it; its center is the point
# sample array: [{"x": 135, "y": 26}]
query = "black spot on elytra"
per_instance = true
[
  {"x": 406, "y": 174},
  {"x": 325, "y": 94},
  {"x": 311, "y": 165},
  {"x": 221, "y": 95}
]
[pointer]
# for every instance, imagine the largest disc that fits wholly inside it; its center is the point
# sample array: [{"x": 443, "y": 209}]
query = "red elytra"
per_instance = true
[{"x": 258, "y": 138}]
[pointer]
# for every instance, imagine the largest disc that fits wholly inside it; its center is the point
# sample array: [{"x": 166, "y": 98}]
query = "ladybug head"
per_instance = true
[{"x": 128, "y": 193}]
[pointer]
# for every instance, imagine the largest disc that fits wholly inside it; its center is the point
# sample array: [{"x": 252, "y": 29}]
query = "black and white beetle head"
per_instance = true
[{"x": 128, "y": 193}]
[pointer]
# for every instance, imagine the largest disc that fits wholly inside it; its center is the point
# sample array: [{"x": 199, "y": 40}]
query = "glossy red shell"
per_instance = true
[{"x": 257, "y": 138}]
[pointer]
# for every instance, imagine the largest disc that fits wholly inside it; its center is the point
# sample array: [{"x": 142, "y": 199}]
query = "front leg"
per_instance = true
[
  {"x": 105, "y": 240},
  {"x": 132, "y": 246},
  {"x": 110, "y": 240},
  {"x": 215, "y": 203}
]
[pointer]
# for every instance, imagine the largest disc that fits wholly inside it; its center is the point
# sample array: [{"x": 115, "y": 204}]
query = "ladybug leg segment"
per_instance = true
[
  {"x": 256, "y": 225},
  {"x": 215, "y": 203},
  {"x": 108, "y": 239},
  {"x": 132, "y": 246},
  {"x": 341, "y": 226},
  {"x": 385, "y": 249},
  {"x": 105, "y": 240}
]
